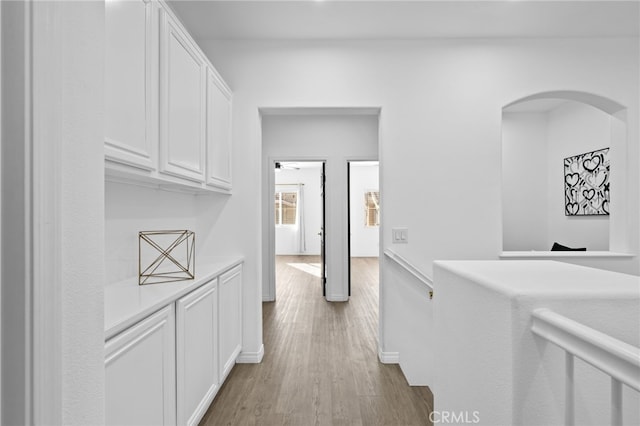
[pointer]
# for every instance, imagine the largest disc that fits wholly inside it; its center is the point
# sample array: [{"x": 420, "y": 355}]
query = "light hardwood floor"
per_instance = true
[{"x": 320, "y": 365}]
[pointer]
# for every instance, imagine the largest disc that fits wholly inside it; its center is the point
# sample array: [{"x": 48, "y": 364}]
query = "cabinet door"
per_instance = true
[
  {"x": 197, "y": 352},
  {"x": 230, "y": 319},
  {"x": 182, "y": 104},
  {"x": 218, "y": 132},
  {"x": 140, "y": 373},
  {"x": 130, "y": 46}
]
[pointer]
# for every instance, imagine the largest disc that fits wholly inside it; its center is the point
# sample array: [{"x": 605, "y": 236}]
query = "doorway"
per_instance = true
[
  {"x": 299, "y": 220},
  {"x": 363, "y": 205},
  {"x": 329, "y": 135}
]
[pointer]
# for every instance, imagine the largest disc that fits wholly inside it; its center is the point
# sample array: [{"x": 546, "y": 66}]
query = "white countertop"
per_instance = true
[{"x": 126, "y": 302}]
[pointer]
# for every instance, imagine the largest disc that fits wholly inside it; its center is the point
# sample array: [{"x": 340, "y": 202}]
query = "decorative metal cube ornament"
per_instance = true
[{"x": 167, "y": 256}]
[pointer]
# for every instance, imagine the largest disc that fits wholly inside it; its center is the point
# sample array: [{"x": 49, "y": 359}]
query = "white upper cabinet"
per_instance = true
[
  {"x": 167, "y": 110},
  {"x": 218, "y": 132},
  {"x": 129, "y": 82},
  {"x": 182, "y": 104}
]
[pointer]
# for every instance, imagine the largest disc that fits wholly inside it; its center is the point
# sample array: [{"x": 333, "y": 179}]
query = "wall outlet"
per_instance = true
[{"x": 399, "y": 235}]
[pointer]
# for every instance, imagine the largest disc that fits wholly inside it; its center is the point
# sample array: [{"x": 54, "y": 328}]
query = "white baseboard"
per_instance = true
[
  {"x": 337, "y": 298},
  {"x": 388, "y": 357},
  {"x": 251, "y": 357}
]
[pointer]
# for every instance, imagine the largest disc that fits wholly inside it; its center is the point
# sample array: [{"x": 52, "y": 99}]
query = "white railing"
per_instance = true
[
  {"x": 615, "y": 358},
  {"x": 409, "y": 267}
]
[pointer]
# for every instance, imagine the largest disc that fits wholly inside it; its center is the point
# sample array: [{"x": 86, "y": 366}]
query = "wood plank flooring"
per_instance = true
[{"x": 320, "y": 365}]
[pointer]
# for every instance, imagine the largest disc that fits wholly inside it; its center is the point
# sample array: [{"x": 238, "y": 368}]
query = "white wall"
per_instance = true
[
  {"x": 82, "y": 213},
  {"x": 364, "y": 239},
  {"x": 130, "y": 209},
  {"x": 574, "y": 129},
  {"x": 336, "y": 139},
  {"x": 524, "y": 181},
  {"x": 288, "y": 236},
  {"x": 441, "y": 104},
  {"x": 57, "y": 99}
]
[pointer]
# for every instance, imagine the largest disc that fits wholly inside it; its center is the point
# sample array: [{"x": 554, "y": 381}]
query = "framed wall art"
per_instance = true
[{"x": 586, "y": 184}]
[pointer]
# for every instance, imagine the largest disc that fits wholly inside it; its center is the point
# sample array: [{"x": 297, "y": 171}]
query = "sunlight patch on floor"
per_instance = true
[{"x": 309, "y": 268}]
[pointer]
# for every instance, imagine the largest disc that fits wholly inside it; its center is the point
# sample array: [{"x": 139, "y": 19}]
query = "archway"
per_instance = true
[{"x": 542, "y": 132}]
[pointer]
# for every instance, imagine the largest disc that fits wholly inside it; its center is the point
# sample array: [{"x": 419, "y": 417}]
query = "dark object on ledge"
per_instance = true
[{"x": 560, "y": 247}]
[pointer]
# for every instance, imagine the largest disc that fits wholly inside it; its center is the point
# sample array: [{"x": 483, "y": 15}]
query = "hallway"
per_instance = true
[{"x": 320, "y": 364}]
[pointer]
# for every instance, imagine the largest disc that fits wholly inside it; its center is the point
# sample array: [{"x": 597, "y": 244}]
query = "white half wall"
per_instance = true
[{"x": 365, "y": 240}]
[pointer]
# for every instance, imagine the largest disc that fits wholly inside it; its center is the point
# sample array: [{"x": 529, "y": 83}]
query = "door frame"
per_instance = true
[
  {"x": 350, "y": 160},
  {"x": 38, "y": 32},
  {"x": 268, "y": 206}
]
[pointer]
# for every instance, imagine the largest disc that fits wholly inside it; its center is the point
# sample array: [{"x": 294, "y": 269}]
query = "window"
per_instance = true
[
  {"x": 372, "y": 208},
  {"x": 286, "y": 204}
]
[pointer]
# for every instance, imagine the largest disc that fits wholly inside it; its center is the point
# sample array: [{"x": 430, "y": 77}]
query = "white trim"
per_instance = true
[
  {"x": 270, "y": 254},
  {"x": 382, "y": 295},
  {"x": 46, "y": 85},
  {"x": 337, "y": 298},
  {"x": 388, "y": 357},
  {"x": 268, "y": 195},
  {"x": 251, "y": 357}
]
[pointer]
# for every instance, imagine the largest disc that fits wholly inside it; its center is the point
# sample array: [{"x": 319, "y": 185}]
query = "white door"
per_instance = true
[
  {"x": 182, "y": 104},
  {"x": 197, "y": 352},
  {"x": 140, "y": 382}
]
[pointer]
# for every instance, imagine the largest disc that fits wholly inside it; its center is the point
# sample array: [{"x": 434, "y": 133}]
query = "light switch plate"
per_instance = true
[{"x": 399, "y": 235}]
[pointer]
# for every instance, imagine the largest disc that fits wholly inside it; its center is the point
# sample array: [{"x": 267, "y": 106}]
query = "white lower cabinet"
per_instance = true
[
  {"x": 197, "y": 352},
  {"x": 167, "y": 368},
  {"x": 230, "y": 319},
  {"x": 141, "y": 373}
]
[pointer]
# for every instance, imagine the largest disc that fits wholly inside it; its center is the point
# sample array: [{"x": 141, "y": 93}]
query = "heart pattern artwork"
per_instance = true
[{"x": 586, "y": 184}]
